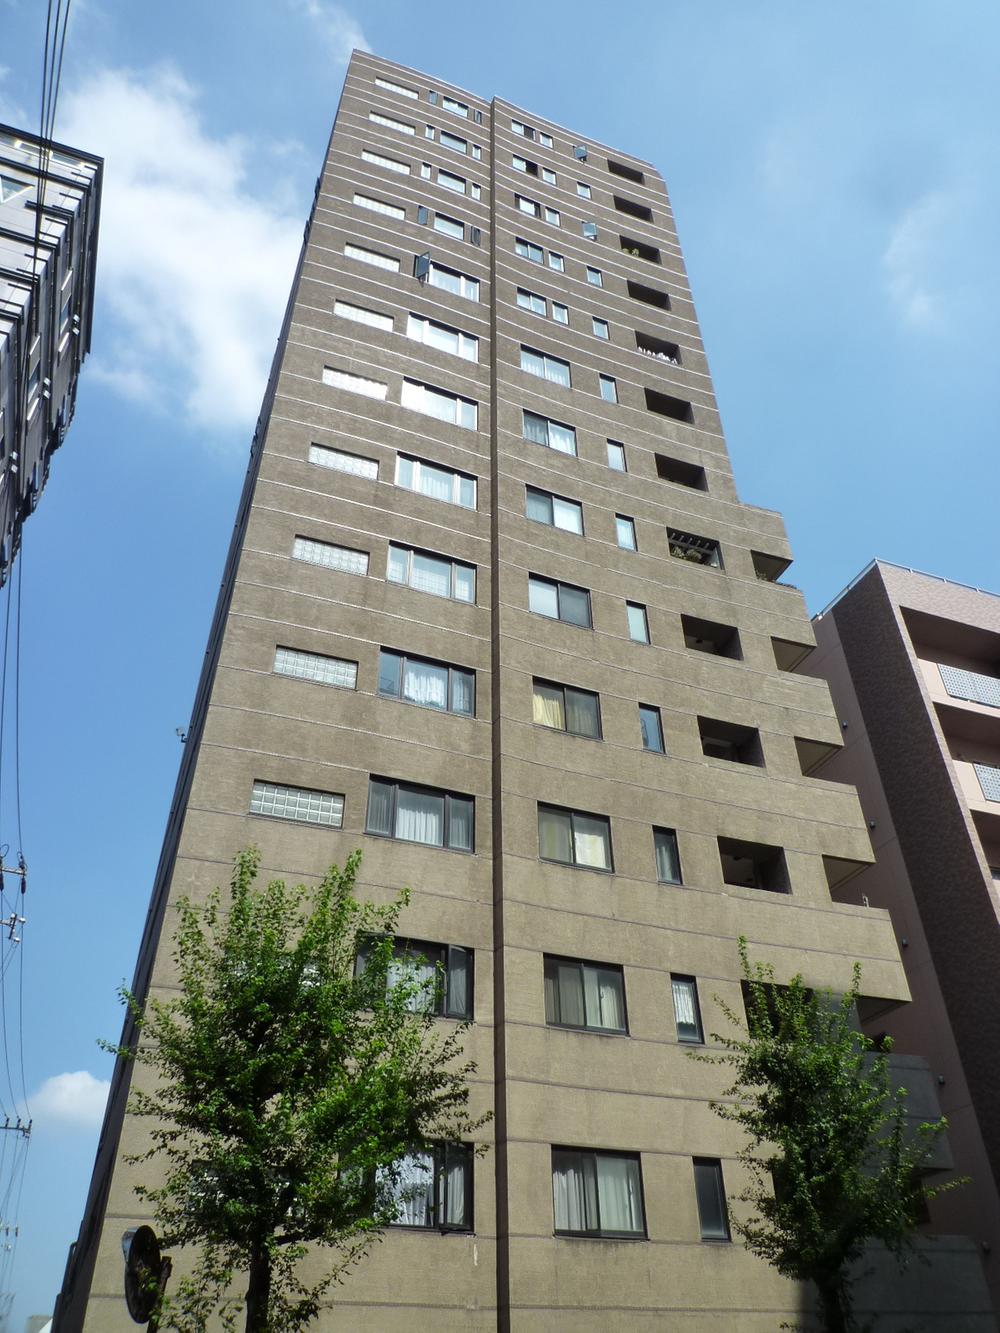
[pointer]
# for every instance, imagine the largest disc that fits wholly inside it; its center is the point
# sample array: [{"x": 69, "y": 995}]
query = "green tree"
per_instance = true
[
  {"x": 286, "y": 1086},
  {"x": 832, "y": 1162}
]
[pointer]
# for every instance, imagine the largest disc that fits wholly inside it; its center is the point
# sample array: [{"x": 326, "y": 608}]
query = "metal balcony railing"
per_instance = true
[{"x": 974, "y": 686}]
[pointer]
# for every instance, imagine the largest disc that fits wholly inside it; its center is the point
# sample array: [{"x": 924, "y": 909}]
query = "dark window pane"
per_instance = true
[
  {"x": 652, "y": 732},
  {"x": 463, "y": 692},
  {"x": 539, "y": 506},
  {"x": 461, "y": 822},
  {"x": 686, "y": 1013},
  {"x": 379, "y": 808},
  {"x": 668, "y": 862},
  {"x": 389, "y": 665},
  {"x": 582, "y": 713},
  {"x": 459, "y": 983},
  {"x": 711, "y": 1199},
  {"x": 574, "y": 605}
]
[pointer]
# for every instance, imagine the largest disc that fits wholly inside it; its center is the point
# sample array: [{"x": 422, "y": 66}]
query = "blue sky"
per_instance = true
[{"x": 834, "y": 172}]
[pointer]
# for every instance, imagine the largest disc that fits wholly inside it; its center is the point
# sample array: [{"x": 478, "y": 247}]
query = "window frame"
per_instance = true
[
  {"x": 715, "y": 1164},
  {"x": 404, "y": 659},
  {"x": 649, "y": 714},
  {"x": 584, "y": 965},
  {"x": 595, "y": 276},
  {"x": 441, "y": 1152},
  {"x": 698, "y": 1025},
  {"x": 465, "y": 281},
  {"x": 459, "y": 400},
  {"x": 624, "y": 523},
  {"x": 608, "y": 388},
  {"x": 466, "y": 342},
  {"x": 661, "y": 831},
  {"x": 419, "y": 465},
  {"x": 396, "y": 785},
  {"x": 286, "y": 787},
  {"x": 447, "y": 957},
  {"x": 559, "y": 585},
  {"x": 530, "y": 490},
  {"x": 411, "y": 551},
  {"x": 280, "y": 648},
  {"x": 637, "y": 606},
  {"x": 549, "y": 421},
  {"x": 564, "y": 689},
  {"x": 597, "y": 1154},
  {"x": 548, "y": 364},
  {"x": 574, "y": 864}
]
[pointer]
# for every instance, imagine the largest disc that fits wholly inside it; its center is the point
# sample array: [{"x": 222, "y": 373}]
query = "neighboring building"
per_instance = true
[
  {"x": 494, "y": 612},
  {"x": 47, "y": 261},
  {"x": 913, "y": 663}
]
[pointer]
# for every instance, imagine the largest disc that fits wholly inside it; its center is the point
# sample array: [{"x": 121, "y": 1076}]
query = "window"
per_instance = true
[
  {"x": 711, "y": 1195},
  {"x": 545, "y": 139},
  {"x": 649, "y": 295},
  {"x": 429, "y": 130},
  {"x": 520, "y": 128},
  {"x": 360, "y": 315},
  {"x": 298, "y": 803},
  {"x": 638, "y": 626},
  {"x": 380, "y": 206},
  {"x": 583, "y": 190},
  {"x": 449, "y": 280},
  {"x": 433, "y": 1189},
  {"x": 753, "y": 865},
  {"x": 609, "y": 389},
  {"x": 531, "y": 301},
  {"x": 11, "y": 187},
  {"x": 552, "y": 217},
  {"x": 477, "y": 153},
  {"x": 589, "y": 230},
  {"x": 342, "y": 558},
  {"x": 616, "y": 456},
  {"x": 432, "y": 97},
  {"x": 396, "y": 88},
  {"x": 668, "y": 406},
  {"x": 449, "y": 226},
  {"x": 343, "y": 379},
  {"x": 529, "y": 206},
  {"x": 390, "y": 163},
  {"x": 522, "y": 164},
  {"x": 440, "y": 483},
  {"x": 597, "y": 1194},
  {"x": 371, "y": 257},
  {"x": 341, "y": 461},
  {"x": 557, "y": 262},
  {"x": 629, "y": 173},
  {"x": 640, "y": 249},
  {"x": 443, "y": 337},
  {"x": 680, "y": 473},
  {"x": 554, "y": 510},
  {"x": 668, "y": 861},
  {"x": 565, "y": 708},
  {"x": 440, "y": 404},
  {"x": 441, "y": 975},
  {"x": 436, "y": 574},
  {"x": 625, "y": 533},
  {"x": 560, "y": 313},
  {"x": 553, "y": 434},
  {"x": 420, "y": 814},
  {"x": 641, "y": 211},
  {"x": 450, "y": 181},
  {"x": 584, "y": 995},
  {"x": 601, "y": 328},
  {"x": 580, "y": 152},
  {"x": 652, "y": 728},
  {"x": 548, "y": 176},
  {"x": 573, "y": 838},
  {"x": 548, "y": 367},
  {"x": 399, "y": 125},
  {"x": 595, "y": 277},
  {"x": 687, "y": 1014},
  {"x": 457, "y": 108},
  {"x": 696, "y": 550},
  {"x": 528, "y": 250},
  {"x": 426, "y": 171},
  {"x": 316, "y": 667},
  {"x": 559, "y": 601},
  {"x": 448, "y": 140},
  {"x": 418, "y": 680}
]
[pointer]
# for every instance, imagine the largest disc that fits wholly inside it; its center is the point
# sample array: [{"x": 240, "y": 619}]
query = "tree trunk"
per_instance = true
[
  {"x": 259, "y": 1291},
  {"x": 833, "y": 1303}
]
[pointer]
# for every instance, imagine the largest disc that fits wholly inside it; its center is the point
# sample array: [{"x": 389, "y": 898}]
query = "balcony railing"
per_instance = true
[
  {"x": 973, "y": 686},
  {"x": 989, "y": 780}
]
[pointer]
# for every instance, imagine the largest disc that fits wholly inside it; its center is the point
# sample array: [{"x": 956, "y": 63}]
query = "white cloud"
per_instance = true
[
  {"x": 76, "y": 1100},
  {"x": 197, "y": 249},
  {"x": 339, "y": 30}
]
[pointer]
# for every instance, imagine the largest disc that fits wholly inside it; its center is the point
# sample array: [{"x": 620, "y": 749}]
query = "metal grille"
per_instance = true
[
  {"x": 971, "y": 685},
  {"x": 331, "y": 557},
  {"x": 317, "y": 667},
  {"x": 310, "y": 807},
  {"x": 989, "y": 780}
]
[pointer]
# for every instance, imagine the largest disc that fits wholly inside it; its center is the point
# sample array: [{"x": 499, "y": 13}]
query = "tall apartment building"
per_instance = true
[
  {"x": 49, "y": 209},
  {"x": 494, "y": 613},
  {"x": 913, "y": 663}
]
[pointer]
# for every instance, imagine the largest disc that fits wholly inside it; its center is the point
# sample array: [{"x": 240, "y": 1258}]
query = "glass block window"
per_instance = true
[
  {"x": 298, "y": 803},
  {"x": 380, "y": 206},
  {"x": 397, "y": 88},
  {"x": 971, "y": 685},
  {"x": 360, "y": 315},
  {"x": 372, "y": 257},
  {"x": 389, "y": 163},
  {"x": 342, "y": 461},
  {"x": 400, "y": 126},
  {"x": 343, "y": 379},
  {"x": 989, "y": 780},
  {"x": 316, "y": 667},
  {"x": 328, "y": 555}
]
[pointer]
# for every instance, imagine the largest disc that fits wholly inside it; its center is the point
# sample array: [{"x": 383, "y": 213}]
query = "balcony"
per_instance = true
[{"x": 973, "y": 686}]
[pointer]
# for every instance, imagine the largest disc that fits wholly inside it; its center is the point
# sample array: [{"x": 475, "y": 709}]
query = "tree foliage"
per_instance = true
[
  {"x": 832, "y": 1160},
  {"x": 286, "y": 1087}
]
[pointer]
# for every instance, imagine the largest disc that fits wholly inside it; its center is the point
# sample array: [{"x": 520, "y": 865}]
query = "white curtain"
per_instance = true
[
  {"x": 379, "y": 807},
  {"x": 574, "y": 1192},
  {"x": 461, "y": 687},
  {"x": 435, "y": 482},
  {"x": 460, "y": 821},
  {"x": 425, "y": 684},
  {"x": 415, "y": 1190},
  {"x": 602, "y": 994},
  {"x": 430, "y": 575},
  {"x": 420, "y": 817},
  {"x": 590, "y": 842},
  {"x": 455, "y": 1184},
  {"x": 684, "y": 1004},
  {"x": 619, "y": 1194},
  {"x": 413, "y": 971}
]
